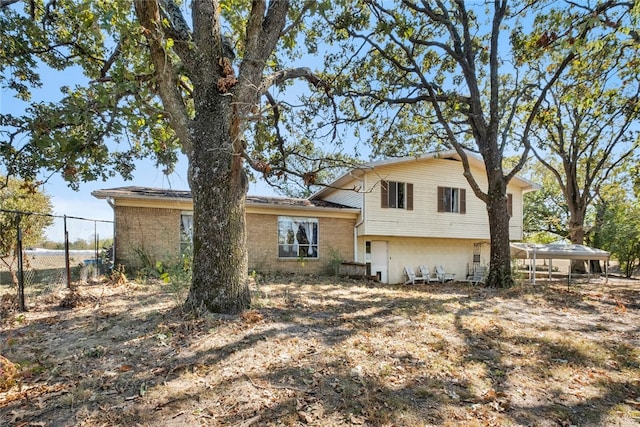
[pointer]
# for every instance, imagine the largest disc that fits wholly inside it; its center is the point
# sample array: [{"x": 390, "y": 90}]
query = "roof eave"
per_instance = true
[
  {"x": 122, "y": 194},
  {"x": 306, "y": 208},
  {"x": 525, "y": 184},
  {"x": 106, "y": 194}
]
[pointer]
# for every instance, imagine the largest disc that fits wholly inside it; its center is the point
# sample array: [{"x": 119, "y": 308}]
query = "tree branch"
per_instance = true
[
  {"x": 291, "y": 73},
  {"x": 263, "y": 32},
  {"x": 179, "y": 31},
  {"x": 305, "y": 7},
  {"x": 109, "y": 62},
  {"x": 7, "y": 3},
  {"x": 149, "y": 17}
]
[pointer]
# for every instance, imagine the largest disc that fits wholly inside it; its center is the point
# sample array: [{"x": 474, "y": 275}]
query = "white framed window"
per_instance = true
[
  {"x": 452, "y": 200},
  {"x": 396, "y": 195},
  {"x": 297, "y": 237},
  {"x": 186, "y": 232}
]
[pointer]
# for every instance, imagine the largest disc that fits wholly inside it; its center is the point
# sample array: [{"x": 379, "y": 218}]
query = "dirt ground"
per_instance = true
[{"x": 313, "y": 351}]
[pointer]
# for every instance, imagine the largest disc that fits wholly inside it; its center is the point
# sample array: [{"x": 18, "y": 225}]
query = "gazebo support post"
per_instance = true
[{"x": 533, "y": 269}]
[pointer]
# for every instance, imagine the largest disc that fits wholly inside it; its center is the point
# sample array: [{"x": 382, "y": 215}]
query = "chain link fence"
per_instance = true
[{"x": 42, "y": 254}]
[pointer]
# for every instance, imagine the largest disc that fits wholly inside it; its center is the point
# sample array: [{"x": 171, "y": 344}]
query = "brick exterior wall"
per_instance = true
[
  {"x": 334, "y": 234},
  {"x": 156, "y": 233}
]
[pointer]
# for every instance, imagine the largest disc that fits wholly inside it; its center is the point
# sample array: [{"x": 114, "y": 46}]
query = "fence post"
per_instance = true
[
  {"x": 66, "y": 253},
  {"x": 20, "y": 267},
  {"x": 96, "y": 244}
]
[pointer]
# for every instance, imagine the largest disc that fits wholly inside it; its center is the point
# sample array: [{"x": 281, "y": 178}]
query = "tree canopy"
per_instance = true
[
  {"x": 422, "y": 75},
  {"x": 545, "y": 210},
  {"x": 18, "y": 200},
  {"x": 114, "y": 113},
  {"x": 618, "y": 228},
  {"x": 588, "y": 126},
  {"x": 112, "y": 100},
  {"x": 153, "y": 82}
]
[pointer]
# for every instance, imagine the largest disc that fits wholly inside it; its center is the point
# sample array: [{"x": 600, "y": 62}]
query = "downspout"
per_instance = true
[
  {"x": 112, "y": 203},
  {"x": 359, "y": 223}
]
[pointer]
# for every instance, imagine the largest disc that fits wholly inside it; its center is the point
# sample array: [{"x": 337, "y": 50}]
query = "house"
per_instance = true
[
  {"x": 421, "y": 210},
  {"x": 283, "y": 234},
  {"x": 386, "y": 214}
]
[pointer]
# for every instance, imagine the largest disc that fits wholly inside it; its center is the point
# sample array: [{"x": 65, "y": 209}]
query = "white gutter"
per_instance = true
[{"x": 111, "y": 202}]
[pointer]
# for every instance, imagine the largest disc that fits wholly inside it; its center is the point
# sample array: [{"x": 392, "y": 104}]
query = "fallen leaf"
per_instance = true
[
  {"x": 633, "y": 403},
  {"x": 489, "y": 395},
  {"x": 354, "y": 419}
]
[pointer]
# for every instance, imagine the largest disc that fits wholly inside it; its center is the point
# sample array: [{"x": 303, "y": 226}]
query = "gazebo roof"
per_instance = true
[{"x": 557, "y": 251}]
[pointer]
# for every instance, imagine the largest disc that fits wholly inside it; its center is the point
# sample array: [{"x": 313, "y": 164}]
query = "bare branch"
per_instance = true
[
  {"x": 291, "y": 73},
  {"x": 109, "y": 62},
  {"x": 178, "y": 30},
  {"x": 7, "y": 3}
]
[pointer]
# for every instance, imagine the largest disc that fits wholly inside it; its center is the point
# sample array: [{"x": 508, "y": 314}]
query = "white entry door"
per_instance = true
[{"x": 380, "y": 260}]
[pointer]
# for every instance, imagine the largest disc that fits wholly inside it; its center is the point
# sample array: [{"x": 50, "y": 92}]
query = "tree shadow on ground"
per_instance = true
[
  {"x": 327, "y": 354},
  {"x": 589, "y": 389}
]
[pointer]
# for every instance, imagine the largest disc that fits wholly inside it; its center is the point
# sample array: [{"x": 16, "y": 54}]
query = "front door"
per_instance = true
[{"x": 380, "y": 260}]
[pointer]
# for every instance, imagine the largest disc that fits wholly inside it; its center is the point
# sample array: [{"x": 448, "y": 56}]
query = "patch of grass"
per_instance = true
[
  {"x": 95, "y": 352},
  {"x": 77, "y": 396}
]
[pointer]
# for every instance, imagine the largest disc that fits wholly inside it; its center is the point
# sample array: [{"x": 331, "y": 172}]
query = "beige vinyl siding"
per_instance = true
[
  {"x": 456, "y": 255},
  {"x": 425, "y": 220},
  {"x": 351, "y": 198},
  {"x": 516, "y": 223}
]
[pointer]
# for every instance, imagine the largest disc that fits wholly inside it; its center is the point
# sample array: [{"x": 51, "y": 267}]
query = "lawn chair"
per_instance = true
[
  {"x": 477, "y": 276},
  {"x": 443, "y": 276},
  {"x": 424, "y": 272},
  {"x": 412, "y": 277}
]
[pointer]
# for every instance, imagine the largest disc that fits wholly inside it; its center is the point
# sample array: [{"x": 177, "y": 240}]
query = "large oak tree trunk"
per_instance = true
[
  {"x": 219, "y": 186},
  {"x": 213, "y": 140},
  {"x": 576, "y": 236},
  {"x": 577, "y": 211},
  {"x": 500, "y": 258}
]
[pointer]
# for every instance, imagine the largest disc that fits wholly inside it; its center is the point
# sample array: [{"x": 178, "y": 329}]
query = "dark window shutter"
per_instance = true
[
  {"x": 440, "y": 199},
  {"x": 384, "y": 192},
  {"x": 510, "y": 204},
  {"x": 463, "y": 201},
  {"x": 409, "y": 197}
]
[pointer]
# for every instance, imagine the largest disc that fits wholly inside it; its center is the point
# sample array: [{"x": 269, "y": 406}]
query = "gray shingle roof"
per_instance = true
[{"x": 159, "y": 193}]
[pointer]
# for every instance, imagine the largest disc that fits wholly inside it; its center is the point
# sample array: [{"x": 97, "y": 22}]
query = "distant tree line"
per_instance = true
[{"x": 88, "y": 244}]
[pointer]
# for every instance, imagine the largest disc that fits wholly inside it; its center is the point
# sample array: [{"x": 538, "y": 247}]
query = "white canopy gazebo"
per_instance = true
[{"x": 534, "y": 251}]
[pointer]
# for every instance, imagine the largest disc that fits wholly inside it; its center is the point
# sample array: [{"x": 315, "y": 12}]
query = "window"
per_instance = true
[
  {"x": 452, "y": 200},
  {"x": 297, "y": 237},
  {"x": 398, "y": 195},
  {"x": 186, "y": 232},
  {"x": 510, "y": 204}
]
